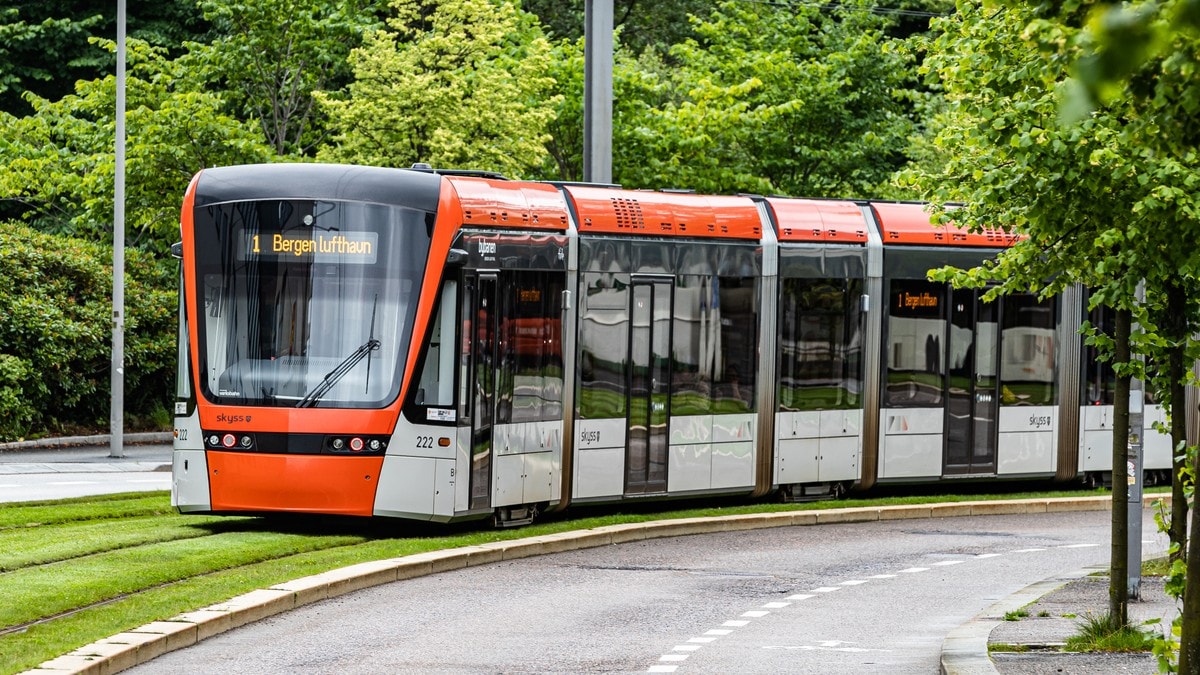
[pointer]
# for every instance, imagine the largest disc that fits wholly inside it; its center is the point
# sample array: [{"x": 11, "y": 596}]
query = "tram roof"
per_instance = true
[
  {"x": 500, "y": 203},
  {"x": 909, "y": 223},
  {"x": 819, "y": 220},
  {"x": 607, "y": 210}
]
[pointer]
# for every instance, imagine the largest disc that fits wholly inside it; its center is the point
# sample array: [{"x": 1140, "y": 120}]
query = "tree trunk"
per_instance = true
[
  {"x": 1176, "y": 325},
  {"x": 1189, "y": 638},
  {"x": 1118, "y": 584}
]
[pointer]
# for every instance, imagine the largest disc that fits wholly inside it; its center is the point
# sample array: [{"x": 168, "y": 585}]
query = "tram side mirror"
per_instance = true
[
  {"x": 457, "y": 257},
  {"x": 177, "y": 250}
]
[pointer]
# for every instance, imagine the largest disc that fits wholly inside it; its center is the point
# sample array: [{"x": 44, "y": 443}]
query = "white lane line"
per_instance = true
[
  {"x": 982, "y": 556},
  {"x": 914, "y": 570},
  {"x": 853, "y": 582},
  {"x": 883, "y": 576},
  {"x": 701, "y": 640},
  {"x": 736, "y": 623},
  {"x": 947, "y": 563},
  {"x": 1028, "y": 550},
  {"x": 1080, "y": 546},
  {"x": 800, "y": 596},
  {"x": 826, "y": 589}
]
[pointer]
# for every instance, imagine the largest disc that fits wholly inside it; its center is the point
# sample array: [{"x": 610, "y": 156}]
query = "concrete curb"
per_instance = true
[
  {"x": 76, "y": 441},
  {"x": 965, "y": 649},
  {"x": 139, "y": 645}
]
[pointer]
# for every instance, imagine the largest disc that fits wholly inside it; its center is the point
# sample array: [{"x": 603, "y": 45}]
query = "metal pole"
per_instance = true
[
  {"x": 117, "y": 408},
  {"x": 597, "y": 91}
]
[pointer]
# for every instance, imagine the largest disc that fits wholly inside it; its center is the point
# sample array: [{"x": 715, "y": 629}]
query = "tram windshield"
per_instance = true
[{"x": 306, "y": 303}]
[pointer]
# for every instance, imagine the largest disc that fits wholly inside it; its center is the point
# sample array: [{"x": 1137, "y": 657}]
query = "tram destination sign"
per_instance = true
[{"x": 311, "y": 246}]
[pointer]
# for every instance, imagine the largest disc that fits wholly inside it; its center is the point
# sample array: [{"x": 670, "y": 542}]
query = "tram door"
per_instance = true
[
  {"x": 479, "y": 346},
  {"x": 649, "y": 379},
  {"x": 972, "y": 399}
]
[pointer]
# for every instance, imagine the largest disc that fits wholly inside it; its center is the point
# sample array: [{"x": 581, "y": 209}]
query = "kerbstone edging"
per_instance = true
[
  {"x": 139, "y": 645},
  {"x": 965, "y": 649}
]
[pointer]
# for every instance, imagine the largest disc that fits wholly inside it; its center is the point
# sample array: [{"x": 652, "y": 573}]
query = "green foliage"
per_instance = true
[
  {"x": 1105, "y": 633},
  {"x": 44, "y": 44},
  {"x": 55, "y": 331},
  {"x": 779, "y": 99},
  {"x": 453, "y": 83},
  {"x": 271, "y": 55},
  {"x": 59, "y": 163}
]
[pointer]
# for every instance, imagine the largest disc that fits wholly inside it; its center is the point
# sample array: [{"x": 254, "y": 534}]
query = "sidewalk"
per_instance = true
[{"x": 1054, "y": 610}]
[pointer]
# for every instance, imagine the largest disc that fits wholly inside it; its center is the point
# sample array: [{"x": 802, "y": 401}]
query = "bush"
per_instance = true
[{"x": 56, "y": 332}]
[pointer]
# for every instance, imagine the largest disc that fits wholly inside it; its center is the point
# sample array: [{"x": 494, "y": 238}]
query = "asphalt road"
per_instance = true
[
  {"x": 36, "y": 474},
  {"x": 862, "y": 598}
]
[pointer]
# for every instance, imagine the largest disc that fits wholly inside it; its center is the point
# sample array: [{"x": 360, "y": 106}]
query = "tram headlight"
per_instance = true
[
  {"x": 247, "y": 441},
  {"x": 338, "y": 444},
  {"x": 214, "y": 440},
  {"x": 375, "y": 444}
]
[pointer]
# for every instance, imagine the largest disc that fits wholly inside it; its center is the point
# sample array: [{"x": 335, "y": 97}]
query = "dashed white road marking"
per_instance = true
[{"x": 668, "y": 663}]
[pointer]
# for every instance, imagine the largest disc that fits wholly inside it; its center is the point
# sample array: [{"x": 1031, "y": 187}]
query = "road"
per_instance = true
[
  {"x": 861, "y": 598},
  {"x": 30, "y": 475}
]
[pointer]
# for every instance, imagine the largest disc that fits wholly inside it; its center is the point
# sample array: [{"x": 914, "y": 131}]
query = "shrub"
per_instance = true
[{"x": 56, "y": 332}]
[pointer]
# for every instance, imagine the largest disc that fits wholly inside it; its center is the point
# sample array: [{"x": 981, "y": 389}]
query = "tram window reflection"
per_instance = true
[
  {"x": 916, "y": 333},
  {"x": 820, "y": 344}
]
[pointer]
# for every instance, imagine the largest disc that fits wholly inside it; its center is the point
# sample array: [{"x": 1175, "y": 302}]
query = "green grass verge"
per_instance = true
[{"x": 76, "y": 571}]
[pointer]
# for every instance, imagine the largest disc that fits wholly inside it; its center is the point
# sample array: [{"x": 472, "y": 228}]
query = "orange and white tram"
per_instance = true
[{"x": 444, "y": 346}]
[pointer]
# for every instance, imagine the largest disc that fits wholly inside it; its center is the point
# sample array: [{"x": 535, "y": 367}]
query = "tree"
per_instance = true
[
  {"x": 271, "y": 55},
  {"x": 45, "y": 49},
  {"x": 794, "y": 99},
  {"x": 1100, "y": 203},
  {"x": 453, "y": 83},
  {"x": 58, "y": 163}
]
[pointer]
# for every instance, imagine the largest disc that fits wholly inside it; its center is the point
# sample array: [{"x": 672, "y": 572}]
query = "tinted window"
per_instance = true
[{"x": 820, "y": 344}]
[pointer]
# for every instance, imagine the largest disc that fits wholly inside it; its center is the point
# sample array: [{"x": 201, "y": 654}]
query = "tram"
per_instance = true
[{"x": 443, "y": 346}]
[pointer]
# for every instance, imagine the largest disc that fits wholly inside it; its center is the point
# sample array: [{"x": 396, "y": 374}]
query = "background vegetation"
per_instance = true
[{"x": 730, "y": 96}]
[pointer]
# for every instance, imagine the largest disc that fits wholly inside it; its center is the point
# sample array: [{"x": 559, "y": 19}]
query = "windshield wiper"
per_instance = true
[{"x": 331, "y": 378}]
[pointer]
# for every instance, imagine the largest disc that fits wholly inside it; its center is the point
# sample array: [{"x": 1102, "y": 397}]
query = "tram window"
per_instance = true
[
  {"x": 820, "y": 344},
  {"x": 183, "y": 381},
  {"x": 1099, "y": 381},
  {"x": 694, "y": 345},
  {"x": 1028, "y": 350},
  {"x": 735, "y": 372},
  {"x": 436, "y": 385},
  {"x": 603, "y": 344},
  {"x": 916, "y": 340},
  {"x": 530, "y": 369}
]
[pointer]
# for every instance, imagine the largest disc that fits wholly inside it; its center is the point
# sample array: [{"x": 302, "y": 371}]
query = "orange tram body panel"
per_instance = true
[{"x": 453, "y": 345}]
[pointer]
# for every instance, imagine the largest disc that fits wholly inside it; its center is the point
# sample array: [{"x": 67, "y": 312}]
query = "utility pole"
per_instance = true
[
  {"x": 597, "y": 91},
  {"x": 116, "y": 417}
]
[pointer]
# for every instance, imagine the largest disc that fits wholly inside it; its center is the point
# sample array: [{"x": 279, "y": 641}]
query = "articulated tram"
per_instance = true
[{"x": 445, "y": 346}]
